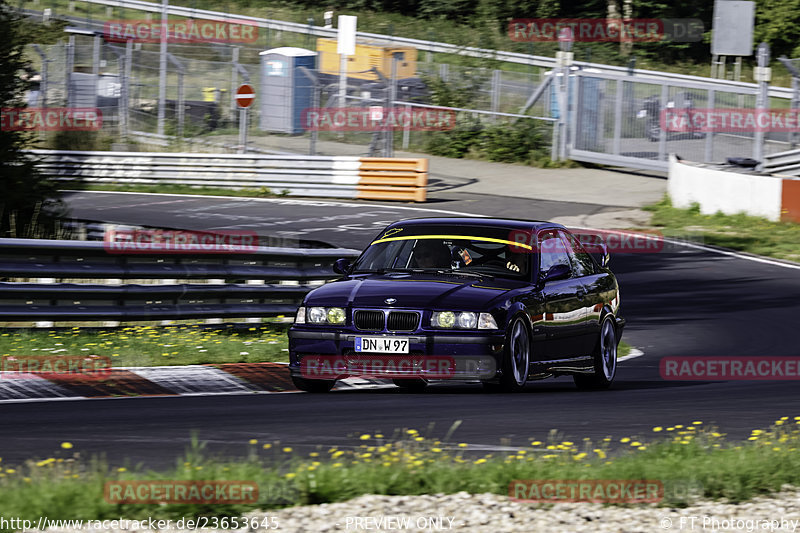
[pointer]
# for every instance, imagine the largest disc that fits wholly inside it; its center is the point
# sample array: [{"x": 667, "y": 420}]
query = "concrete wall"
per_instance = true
[{"x": 724, "y": 190}]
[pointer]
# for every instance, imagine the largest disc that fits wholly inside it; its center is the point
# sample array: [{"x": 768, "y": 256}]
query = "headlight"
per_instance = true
[
  {"x": 336, "y": 315},
  {"x": 326, "y": 315},
  {"x": 301, "y": 316},
  {"x": 443, "y": 319},
  {"x": 453, "y": 319},
  {"x": 467, "y": 320},
  {"x": 486, "y": 321},
  {"x": 316, "y": 315}
]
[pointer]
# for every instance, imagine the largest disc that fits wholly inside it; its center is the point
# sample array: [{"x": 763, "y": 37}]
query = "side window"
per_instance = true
[
  {"x": 582, "y": 262},
  {"x": 552, "y": 251}
]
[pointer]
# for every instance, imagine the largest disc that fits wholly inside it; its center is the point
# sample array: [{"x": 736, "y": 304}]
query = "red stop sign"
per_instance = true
[{"x": 245, "y": 95}]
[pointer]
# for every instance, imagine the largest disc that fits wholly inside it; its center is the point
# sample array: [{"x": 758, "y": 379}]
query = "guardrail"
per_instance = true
[
  {"x": 366, "y": 178},
  {"x": 263, "y": 281},
  {"x": 786, "y": 163}
]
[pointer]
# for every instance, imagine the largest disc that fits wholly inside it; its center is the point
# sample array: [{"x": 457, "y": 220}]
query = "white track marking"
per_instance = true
[
  {"x": 634, "y": 353},
  {"x": 291, "y": 201}
]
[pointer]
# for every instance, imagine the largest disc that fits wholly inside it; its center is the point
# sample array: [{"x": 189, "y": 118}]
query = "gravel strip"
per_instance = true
[{"x": 491, "y": 513}]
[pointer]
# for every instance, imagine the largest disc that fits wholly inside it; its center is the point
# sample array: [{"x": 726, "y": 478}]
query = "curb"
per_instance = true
[
  {"x": 154, "y": 381},
  {"x": 159, "y": 381}
]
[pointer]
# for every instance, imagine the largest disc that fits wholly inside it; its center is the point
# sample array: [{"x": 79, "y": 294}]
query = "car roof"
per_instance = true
[{"x": 508, "y": 223}]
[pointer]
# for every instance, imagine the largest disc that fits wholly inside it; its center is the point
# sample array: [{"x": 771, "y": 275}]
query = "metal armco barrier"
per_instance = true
[
  {"x": 52, "y": 260},
  {"x": 786, "y": 163},
  {"x": 366, "y": 178}
]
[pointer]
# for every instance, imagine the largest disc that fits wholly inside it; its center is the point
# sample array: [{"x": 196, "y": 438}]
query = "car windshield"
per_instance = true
[{"x": 464, "y": 250}]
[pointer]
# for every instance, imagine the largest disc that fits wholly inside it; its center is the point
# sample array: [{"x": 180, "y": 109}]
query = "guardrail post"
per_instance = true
[
  {"x": 254, "y": 320},
  {"x": 215, "y": 282},
  {"x": 112, "y": 323},
  {"x": 45, "y": 323}
]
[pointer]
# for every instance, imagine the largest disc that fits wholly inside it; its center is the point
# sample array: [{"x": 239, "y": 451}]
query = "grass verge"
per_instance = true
[
  {"x": 68, "y": 485},
  {"x": 163, "y": 345},
  {"x": 623, "y": 349},
  {"x": 155, "y": 346},
  {"x": 738, "y": 232}
]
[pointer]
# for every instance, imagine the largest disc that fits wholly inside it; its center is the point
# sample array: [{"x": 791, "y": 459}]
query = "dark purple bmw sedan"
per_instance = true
[{"x": 503, "y": 302}]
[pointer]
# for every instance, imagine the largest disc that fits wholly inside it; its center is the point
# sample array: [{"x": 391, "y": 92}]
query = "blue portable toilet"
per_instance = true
[{"x": 285, "y": 91}]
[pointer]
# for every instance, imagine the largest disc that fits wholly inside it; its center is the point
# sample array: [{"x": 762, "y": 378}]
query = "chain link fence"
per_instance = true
[
  {"x": 200, "y": 110},
  {"x": 501, "y": 114}
]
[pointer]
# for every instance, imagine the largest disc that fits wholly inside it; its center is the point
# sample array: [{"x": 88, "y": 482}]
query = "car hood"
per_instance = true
[{"x": 413, "y": 291}]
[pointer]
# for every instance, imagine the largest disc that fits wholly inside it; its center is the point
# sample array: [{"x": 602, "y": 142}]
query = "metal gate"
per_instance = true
[{"x": 616, "y": 120}]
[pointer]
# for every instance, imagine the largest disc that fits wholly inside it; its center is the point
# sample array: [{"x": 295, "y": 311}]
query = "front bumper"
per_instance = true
[{"x": 331, "y": 354}]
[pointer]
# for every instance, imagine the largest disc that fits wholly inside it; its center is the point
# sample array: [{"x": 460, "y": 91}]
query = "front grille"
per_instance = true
[
  {"x": 369, "y": 320},
  {"x": 403, "y": 321}
]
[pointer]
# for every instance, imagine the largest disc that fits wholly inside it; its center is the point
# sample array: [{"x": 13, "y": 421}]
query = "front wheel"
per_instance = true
[
  {"x": 605, "y": 359},
  {"x": 313, "y": 385},
  {"x": 517, "y": 357}
]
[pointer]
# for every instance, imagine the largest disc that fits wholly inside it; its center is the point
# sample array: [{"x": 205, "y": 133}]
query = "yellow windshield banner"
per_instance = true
[{"x": 466, "y": 237}]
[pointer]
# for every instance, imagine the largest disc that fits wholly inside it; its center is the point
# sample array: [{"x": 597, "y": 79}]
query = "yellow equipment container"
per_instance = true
[{"x": 368, "y": 54}]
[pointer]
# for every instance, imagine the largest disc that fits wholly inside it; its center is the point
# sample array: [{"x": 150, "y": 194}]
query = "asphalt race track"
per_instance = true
[
  {"x": 681, "y": 301},
  {"x": 344, "y": 223}
]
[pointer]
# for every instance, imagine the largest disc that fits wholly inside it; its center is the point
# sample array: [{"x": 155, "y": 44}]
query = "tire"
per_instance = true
[
  {"x": 516, "y": 357},
  {"x": 411, "y": 384},
  {"x": 313, "y": 385},
  {"x": 605, "y": 359}
]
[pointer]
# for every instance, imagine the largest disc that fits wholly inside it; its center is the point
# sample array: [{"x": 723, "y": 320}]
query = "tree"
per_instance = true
[{"x": 28, "y": 201}]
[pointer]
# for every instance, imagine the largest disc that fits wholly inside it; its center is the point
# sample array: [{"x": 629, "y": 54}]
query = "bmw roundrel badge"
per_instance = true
[{"x": 390, "y": 301}]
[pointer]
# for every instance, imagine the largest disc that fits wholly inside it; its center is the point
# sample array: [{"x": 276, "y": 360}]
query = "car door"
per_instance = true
[
  {"x": 591, "y": 295},
  {"x": 564, "y": 313}
]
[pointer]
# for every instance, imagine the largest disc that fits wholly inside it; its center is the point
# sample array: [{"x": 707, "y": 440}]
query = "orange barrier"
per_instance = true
[
  {"x": 790, "y": 200},
  {"x": 390, "y": 178}
]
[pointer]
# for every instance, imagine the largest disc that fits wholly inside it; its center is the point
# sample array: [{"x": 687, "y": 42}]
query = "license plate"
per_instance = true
[{"x": 382, "y": 344}]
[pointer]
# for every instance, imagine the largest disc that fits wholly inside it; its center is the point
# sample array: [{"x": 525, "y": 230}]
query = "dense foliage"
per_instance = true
[
  {"x": 777, "y": 21},
  {"x": 26, "y": 198}
]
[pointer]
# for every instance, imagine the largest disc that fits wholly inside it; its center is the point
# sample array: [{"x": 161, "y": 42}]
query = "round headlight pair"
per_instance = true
[
  {"x": 326, "y": 315},
  {"x": 452, "y": 319}
]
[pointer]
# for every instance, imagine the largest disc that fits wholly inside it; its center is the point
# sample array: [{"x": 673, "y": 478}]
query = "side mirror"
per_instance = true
[
  {"x": 556, "y": 272},
  {"x": 342, "y": 266},
  {"x": 605, "y": 257}
]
